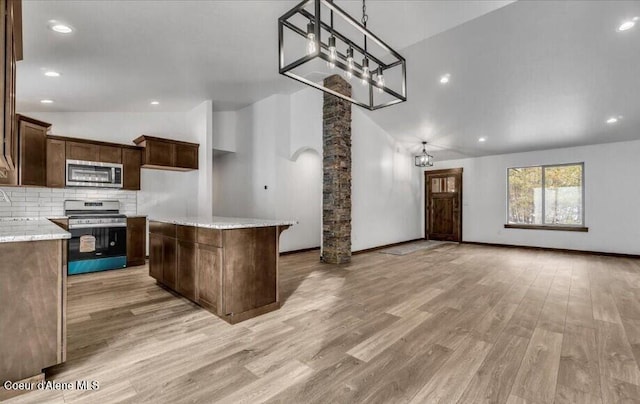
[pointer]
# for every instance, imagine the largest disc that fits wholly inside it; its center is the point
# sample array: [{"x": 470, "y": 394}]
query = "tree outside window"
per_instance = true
[{"x": 546, "y": 195}]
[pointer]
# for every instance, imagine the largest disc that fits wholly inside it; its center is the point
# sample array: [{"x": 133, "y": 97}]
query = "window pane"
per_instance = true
[
  {"x": 563, "y": 195},
  {"x": 525, "y": 195},
  {"x": 436, "y": 185},
  {"x": 451, "y": 184}
]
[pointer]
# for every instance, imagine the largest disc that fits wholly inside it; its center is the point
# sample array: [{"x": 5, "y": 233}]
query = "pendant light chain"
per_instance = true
[
  {"x": 365, "y": 17},
  {"x": 364, "y": 20}
]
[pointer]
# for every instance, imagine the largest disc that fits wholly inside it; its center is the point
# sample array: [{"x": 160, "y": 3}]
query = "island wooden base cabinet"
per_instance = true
[{"x": 232, "y": 273}]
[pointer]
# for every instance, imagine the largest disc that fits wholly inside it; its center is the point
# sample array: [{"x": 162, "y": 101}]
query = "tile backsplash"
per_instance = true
[{"x": 49, "y": 202}]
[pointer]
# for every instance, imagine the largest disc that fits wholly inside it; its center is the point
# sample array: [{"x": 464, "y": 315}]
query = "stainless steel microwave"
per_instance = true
[{"x": 93, "y": 174}]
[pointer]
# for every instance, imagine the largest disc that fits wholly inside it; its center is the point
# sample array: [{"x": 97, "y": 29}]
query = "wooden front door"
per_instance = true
[{"x": 443, "y": 204}]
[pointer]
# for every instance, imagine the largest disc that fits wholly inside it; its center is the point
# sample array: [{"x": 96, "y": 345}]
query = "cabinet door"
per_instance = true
[
  {"x": 159, "y": 153},
  {"x": 9, "y": 157},
  {"x": 136, "y": 240},
  {"x": 186, "y": 263},
  {"x": 110, "y": 154},
  {"x": 155, "y": 256},
  {"x": 33, "y": 154},
  {"x": 32, "y": 328},
  {"x": 209, "y": 266},
  {"x": 169, "y": 261},
  {"x": 82, "y": 151},
  {"x": 131, "y": 162},
  {"x": 5, "y": 148},
  {"x": 250, "y": 273},
  {"x": 186, "y": 156},
  {"x": 56, "y": 159}
]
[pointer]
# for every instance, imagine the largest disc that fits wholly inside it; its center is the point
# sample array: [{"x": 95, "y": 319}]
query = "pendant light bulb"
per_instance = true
[
  {"x": 311, "y": 39},
  {"x": 333, "y": 54},
  {"x": 348, "y": 73},
  {"x": 365, "y": 71},
  {"x": 379, "y": 80}
]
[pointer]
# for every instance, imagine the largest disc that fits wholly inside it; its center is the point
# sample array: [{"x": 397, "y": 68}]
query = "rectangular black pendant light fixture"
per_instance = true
[{"x": 317, "y": 39}]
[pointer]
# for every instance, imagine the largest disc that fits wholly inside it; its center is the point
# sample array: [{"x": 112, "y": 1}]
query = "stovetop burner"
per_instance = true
[{"x": 85, "y": 214}]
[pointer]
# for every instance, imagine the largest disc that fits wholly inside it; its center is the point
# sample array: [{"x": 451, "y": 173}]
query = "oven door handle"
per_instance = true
[{"x": 96, "y": 225}]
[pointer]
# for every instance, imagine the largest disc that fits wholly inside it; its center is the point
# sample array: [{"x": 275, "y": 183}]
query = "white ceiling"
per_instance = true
[
  {"x": 531, "y": 75},
  {"x": 124, "y": 54}
]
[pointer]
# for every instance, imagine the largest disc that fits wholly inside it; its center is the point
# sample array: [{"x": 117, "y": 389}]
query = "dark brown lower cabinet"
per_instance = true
[
  {"x": 156, "y": 256},
  {"x": 187, "y": 258},
  {"x": 136, "y": 241},
  {"x": 169, "y": 264},
  {"x": 232, "y": 273},
  {"x": 208, "y": 271}
]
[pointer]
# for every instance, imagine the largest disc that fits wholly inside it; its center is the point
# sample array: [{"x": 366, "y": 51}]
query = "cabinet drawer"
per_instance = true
[
  {"x": 186, "y": 233},
  {"x": 164, "y": 229},
  {"x": 211, "y": 237}
]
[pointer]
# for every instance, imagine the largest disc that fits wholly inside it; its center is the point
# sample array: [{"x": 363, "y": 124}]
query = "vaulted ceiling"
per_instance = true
[{"x": 526, "y": 75}]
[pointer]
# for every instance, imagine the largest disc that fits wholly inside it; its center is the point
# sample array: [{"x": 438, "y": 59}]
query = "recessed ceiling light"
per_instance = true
[
  {"x": 46, "y": 101},
  {"x": 612, "y": 120},
  {"x": 51, "y": 73},
  {"x": 482, "y": 139},
  {"x": 155, "y": 102},
  {"x": 445, "y": 78},
  {"x": 628, "y": 24},
  {"x": 60, "y": 27}
]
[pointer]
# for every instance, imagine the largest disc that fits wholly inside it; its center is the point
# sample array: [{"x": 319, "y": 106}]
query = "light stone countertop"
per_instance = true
[
  {"x": 222, "y": 223},
  {"x": 30, "y": 229}
]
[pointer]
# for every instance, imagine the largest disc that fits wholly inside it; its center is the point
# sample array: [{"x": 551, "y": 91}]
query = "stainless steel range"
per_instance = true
[{"x": 98, "y": 236}]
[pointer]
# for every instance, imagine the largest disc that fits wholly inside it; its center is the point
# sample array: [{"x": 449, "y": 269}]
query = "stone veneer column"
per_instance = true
[{"x": 336, "y": 179}]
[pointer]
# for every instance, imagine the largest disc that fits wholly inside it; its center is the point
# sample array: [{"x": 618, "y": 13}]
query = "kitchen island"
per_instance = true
[
  {"x": 33, "y": 274},
  {"x": 227, "y": 265}
]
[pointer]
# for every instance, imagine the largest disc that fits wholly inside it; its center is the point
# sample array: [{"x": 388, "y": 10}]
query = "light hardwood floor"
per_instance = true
[{"x": 458, "y": 323}]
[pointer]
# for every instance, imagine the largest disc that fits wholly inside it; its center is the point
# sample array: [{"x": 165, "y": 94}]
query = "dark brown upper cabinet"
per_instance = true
[
  {"x": 11, "y": 37},
  {"x": 83, "y": 151},
  {"x": 56, "y": 159},
  {"x": 168, "y": 154},
  {"x": 31, "y": 157},
  {"x": 32, "y": 137},
  {"x": 59, "y": 149},
  {"x": 131, "y": 162},
  {"x": 110, "y": 154}
]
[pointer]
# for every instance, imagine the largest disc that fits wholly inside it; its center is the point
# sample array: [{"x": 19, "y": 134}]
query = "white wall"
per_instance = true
[
  {"x": 386, "y": 190},
  {"x": 612, "y": 193},
  {"x": 279, "y": 144},
  {"x": 299, "y": 196},
  {"x": 199, "y": 121},
  {"x": 224, "y": 126}
]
